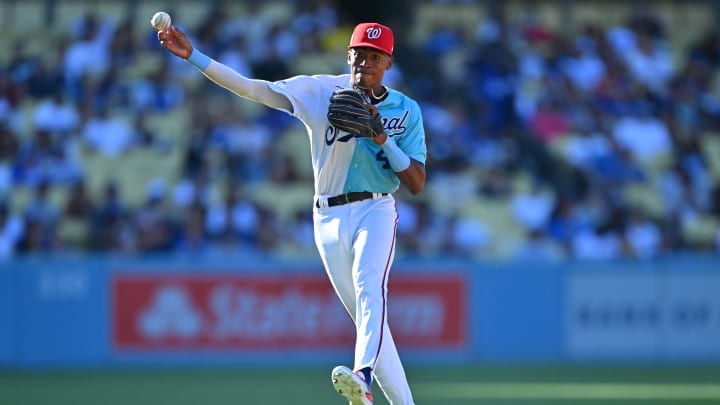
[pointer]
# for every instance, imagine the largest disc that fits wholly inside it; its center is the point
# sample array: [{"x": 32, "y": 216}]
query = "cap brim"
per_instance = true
[{"x": 368, "y": 45}]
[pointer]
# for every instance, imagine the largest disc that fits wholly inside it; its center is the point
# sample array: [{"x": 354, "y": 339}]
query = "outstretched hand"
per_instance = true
[{"x": 175, "y": 41}]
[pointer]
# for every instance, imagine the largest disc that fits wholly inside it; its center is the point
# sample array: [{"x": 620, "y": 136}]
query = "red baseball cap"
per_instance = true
[{"x": 373, "y": 35}]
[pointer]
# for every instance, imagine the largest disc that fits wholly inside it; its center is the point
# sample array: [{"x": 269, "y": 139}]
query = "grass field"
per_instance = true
[{"x": 534, "y": 385}]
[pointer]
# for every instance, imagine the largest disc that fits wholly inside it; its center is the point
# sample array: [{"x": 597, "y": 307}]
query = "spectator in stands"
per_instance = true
[
  {"x": 41, "y": 209},
  {"x": 192, "y": 190},
  {"x": 469, "y": 237},
  {"x": 644, "y": 237},
  {"x": 442, "y": 40},
  {"x": 124, "y": 46},
  {"x": 600, "y": 242},
  {"x": 268, "y": 231},
  {"x": 36, "y": 239},
  {"x": 582, "y": 64},
  {"x": 548, "y": 121},
  {"x": 110, "y": 226},
  {"x": 47, "y": 79},
  {"x": 42, "y": 217},
  {"x": 422, "y": 231},
  {"x": 9, "y": 146},
  {"x": 12, "y": 230},
  {"x": 160, "y": 92},
  {"x": 628, "y": 107},
  {"x": 235, "y": 55},
  {"x": 539, "y": 246},
  {"x": 563, "y": 223},
  {"x": 11, "y": 97},
  {"x": 246, "y": 144},
  {"x": 649, "y": 61},
  {"x": 315, "y": 19},
  {"x": 586, "y": 146},
  {"x": 21, "y": 65},
  {"x": 272, "y": 66},
  {"x": 57, "y": 114},
  {"x": 108, "y": 134},
  {"x": 408, "y": 222},
  {"x": 298, "y": 234},
  {"x": 197, "y": 147},
  {"x": 155, "y": 229},
  {"x": 192, "y": 238},
  {"x": 642, "y": 134},
  {"x": 235, "y": 221},
  {"x": 79, "y": 204},
  {"x": 532, "y": 208},
  {"x": 89, "y": 53}
]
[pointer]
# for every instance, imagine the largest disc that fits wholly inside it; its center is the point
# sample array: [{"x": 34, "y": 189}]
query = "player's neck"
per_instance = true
[
  {"x": 376, "y": 96},
  {"x": 380, "y": 93}
]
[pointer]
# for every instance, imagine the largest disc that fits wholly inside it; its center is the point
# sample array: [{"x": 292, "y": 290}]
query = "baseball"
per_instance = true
[{"x": 160, "y": 21}]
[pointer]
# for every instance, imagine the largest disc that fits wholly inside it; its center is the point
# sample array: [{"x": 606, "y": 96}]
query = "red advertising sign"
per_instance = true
[{"x": 243, "y": 311}]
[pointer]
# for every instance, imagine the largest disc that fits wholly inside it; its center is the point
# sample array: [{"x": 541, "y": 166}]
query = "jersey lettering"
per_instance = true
[
  {"x": 331, "y": 135},
  {"x": 396, "y": 125},
  {"x": 393, "y": 127}
]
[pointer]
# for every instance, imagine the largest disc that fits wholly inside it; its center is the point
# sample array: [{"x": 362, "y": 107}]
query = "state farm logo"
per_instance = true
[
  {"x": 249, "y": 314},
  {"x": 170, "y": 314},
  {"x": 252, "y": 312},
  {"x": 374, "y": 33}
]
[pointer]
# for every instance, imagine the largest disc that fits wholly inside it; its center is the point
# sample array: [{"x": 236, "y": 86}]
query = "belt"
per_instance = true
[{"x": 349, "y": 197}]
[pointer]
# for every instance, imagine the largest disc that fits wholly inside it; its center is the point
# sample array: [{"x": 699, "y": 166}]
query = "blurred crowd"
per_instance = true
[{"x": 597, "y": 144}]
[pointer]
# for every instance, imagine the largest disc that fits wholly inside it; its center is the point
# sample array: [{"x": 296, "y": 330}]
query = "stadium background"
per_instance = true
[{"x": 565, "y": 249}]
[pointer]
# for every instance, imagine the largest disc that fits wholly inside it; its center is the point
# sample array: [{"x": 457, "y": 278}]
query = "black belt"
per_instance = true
[{"x": 348, "y": 198}]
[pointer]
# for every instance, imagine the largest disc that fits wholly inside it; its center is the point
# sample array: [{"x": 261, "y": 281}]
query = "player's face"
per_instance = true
[{"x": 368, "y": 66}]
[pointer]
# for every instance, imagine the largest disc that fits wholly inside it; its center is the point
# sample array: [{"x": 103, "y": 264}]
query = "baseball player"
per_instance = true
[{"x": 365, "y": 139}]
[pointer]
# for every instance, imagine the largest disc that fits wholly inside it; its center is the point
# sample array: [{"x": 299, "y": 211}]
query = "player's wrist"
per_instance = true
[
  {"x": 198, "y": 59},
  {"x": 398, "y": 159},
  {"x": 380, "y": 139}
]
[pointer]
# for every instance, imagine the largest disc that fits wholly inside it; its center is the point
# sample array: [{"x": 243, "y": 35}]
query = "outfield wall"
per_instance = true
[{"x": 102, "y": 312}]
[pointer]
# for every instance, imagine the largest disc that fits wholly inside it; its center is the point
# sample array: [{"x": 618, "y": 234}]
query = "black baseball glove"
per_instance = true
[{"x": 348, "y": 112}]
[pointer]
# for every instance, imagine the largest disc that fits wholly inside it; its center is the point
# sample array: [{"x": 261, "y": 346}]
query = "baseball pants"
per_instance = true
[{"x": 356, "y": 242}]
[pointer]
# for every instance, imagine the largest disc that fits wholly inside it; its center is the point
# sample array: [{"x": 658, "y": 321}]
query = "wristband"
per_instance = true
[
  {"x": 198, "y": 59},
  {"x": 399, "y": 161}
]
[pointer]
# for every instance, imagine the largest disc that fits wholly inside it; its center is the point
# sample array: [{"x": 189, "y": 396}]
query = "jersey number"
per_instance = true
[
  {"x": 331, "y": 135},
  {"x": 380, "y": 157}
]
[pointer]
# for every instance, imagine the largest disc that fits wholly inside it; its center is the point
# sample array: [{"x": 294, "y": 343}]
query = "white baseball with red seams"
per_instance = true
[{"x": 160, "y": 21}]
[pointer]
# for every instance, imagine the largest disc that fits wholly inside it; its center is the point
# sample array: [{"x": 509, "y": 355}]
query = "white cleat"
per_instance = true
[{"x": 352, "y": 386}]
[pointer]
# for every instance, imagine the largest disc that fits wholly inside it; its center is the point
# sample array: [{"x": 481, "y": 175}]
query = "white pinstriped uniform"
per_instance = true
[{"x": 356, "y": 241}]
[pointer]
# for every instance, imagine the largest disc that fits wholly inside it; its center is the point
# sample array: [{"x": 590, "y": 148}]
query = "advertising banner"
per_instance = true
[
  {"x": 617, "y": 314},
  {"x": 159, "y": 311},
  {"x": 691, "y": 304}
]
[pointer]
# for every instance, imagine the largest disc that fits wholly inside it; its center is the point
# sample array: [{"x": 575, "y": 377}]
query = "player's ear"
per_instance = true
[
  {"x": 390, "y": 62},
  {"x": 348, "y": 56}
]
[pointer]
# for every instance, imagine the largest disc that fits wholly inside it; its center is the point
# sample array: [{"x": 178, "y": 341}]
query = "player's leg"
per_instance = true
[
  {"x": 374, "y": 248},
  {"x": 390, "y": 374},
  {"x": 334, "y": 245}
]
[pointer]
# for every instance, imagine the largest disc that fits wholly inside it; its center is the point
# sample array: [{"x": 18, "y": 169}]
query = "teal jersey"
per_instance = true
[
  {"x": 343, "y": 162},
  {"x": 369, "y": 168}
]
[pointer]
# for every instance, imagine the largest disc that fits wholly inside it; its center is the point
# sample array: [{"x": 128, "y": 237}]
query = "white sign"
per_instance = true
[{"x": 643, "y": 314}]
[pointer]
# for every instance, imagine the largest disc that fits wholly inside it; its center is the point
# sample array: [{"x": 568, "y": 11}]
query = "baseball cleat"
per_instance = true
[{"x": 352, "y": 386}]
